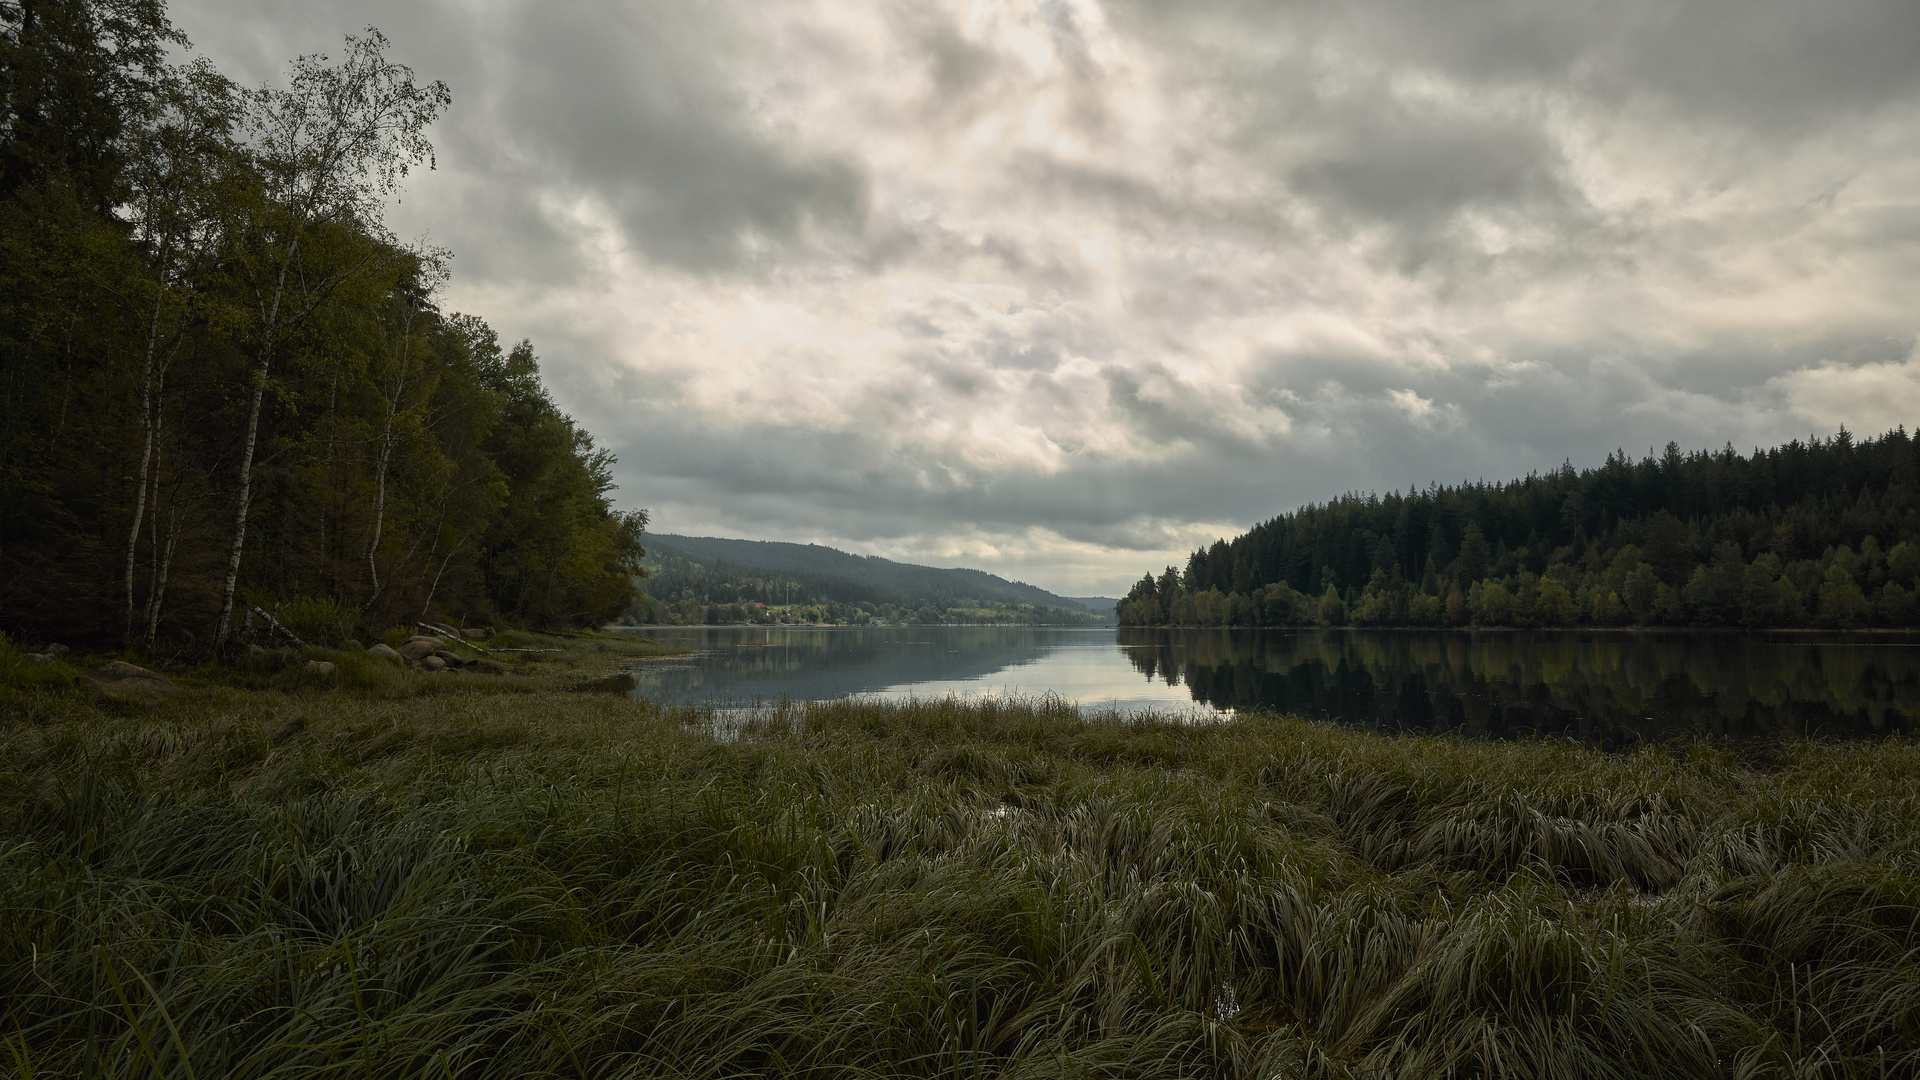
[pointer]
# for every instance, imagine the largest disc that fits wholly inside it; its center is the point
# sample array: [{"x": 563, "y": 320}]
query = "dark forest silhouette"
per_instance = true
[
  {"x": 225, "y": 383},
  {"x": 1824, "y": 532}
]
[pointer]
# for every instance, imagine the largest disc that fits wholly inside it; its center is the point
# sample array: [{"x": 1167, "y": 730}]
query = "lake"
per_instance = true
[{"x": 1604, "y": 687}]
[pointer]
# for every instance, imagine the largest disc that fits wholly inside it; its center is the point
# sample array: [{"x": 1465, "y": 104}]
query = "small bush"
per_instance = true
[
  {"x": 19, "y": 673},
  {"x": 322, "y": 620}
]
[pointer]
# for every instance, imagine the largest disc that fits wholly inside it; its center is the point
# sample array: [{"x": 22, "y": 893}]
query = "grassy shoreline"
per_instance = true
[
  {"x": 472, "y": 883},
  {"x": 528, "y": 663}
]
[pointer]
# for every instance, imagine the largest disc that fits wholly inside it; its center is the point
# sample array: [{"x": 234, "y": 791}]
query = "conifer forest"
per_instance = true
[{"x": 1824, "y": 532}]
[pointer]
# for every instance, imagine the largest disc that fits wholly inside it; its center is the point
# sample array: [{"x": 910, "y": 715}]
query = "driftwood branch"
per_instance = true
[
  {"x": 448, "y": 631},
  {"x": 276, "y": 624}
]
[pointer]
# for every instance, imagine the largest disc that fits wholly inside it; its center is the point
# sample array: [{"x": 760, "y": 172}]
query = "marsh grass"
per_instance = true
[
  {"x": 262, "y": 883},
  {"x": 579, "y": 660}
]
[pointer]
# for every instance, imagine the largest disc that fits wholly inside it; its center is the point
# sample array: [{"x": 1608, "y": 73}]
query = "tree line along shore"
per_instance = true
[
  {"x": 1824, "y": 532},
  {"x": 690, "y": 581},
  {"x": 225, "y": 384}
]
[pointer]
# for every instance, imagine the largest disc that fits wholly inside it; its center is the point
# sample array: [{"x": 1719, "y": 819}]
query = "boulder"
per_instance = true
[
  {"x": 383, "y": 651},
  {"x": 55, "y": 650},
  {"x": 487, "y": 667},
  {"x": 40, "y": 658},
  {"x": 354, "y": 644},
  {"x": 433, "y": 663},
  {"x": 452, "y": 659},
  {"x": 478, "y": 633},
  {"x": 320, "y": 667},
  {"x": 419, "y": 647},
  {"x": 121, "y": 681}
]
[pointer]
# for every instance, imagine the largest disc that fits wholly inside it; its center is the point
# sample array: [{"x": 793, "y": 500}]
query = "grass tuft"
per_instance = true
[{"x": 363, "y": 876}]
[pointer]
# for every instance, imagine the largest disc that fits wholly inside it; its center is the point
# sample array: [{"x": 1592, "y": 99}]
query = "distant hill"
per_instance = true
[
  {"x": 907, "y": 580},
  {"x": 710, "y": 570},
  {"x": 1099, "y": 605}
]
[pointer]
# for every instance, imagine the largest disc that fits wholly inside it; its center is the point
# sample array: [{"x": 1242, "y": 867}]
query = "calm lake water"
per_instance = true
[{"x": 1609, "y": 688}]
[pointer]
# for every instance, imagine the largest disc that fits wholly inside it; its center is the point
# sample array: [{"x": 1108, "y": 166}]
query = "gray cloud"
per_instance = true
[
  {"x": 1778, "y": 66},
  {"x": 634, "y": 107},
  {"x": 1060, "y": 288}
]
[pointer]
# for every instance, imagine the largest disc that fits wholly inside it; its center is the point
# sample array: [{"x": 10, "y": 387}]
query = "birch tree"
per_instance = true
[
  {"x": 178, "y": 147},
  {"x": 398, "y": 377},
  {"x": 326, "y": 151}
]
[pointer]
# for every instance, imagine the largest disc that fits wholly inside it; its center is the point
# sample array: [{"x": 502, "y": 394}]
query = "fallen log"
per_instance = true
[
  {"x": 448, "y": 631},
  {"x": 275, "y": 624}
]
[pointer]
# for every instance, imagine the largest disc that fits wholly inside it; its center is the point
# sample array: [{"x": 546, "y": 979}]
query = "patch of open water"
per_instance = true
[{"x": 1607, "y": 687}]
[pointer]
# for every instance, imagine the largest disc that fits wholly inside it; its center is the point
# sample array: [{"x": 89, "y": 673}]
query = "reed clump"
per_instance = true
[{"x": 247, "y": 883}]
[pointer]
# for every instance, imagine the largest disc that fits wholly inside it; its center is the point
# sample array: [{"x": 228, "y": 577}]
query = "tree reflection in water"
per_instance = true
[{"x": 1610, "y": 688}]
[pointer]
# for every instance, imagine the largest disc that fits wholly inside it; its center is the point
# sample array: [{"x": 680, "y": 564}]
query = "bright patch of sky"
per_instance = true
[{"x": 1061, "y": 289}]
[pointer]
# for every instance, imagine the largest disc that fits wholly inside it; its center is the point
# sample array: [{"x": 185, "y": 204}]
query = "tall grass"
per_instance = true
[{"x": 268, "y": 884}]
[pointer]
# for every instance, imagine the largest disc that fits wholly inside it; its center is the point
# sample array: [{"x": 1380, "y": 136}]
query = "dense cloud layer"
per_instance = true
[{"x": 1060, "y": 290}]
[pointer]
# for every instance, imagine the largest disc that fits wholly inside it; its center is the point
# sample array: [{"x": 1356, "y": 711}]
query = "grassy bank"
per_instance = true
[
  {"x": 512, "y": 662},
  {"x": 246, "y": 882}
]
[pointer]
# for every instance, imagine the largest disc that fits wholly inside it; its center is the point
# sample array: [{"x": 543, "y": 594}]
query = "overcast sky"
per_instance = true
[{"x": 1059, "y": 289}]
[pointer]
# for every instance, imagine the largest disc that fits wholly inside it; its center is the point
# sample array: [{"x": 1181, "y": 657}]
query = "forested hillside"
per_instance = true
[
  {"x": 907, "y": 580},
  {"x": 705, "y": 579},
  {"x": 1824, "y": 532},
  {"x": 224, "y": 381}
]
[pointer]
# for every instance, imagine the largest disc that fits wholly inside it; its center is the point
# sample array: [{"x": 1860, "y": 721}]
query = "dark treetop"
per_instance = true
[
  {"x": 223, "y": 382},
  {"x": 1825, "y": 532}
]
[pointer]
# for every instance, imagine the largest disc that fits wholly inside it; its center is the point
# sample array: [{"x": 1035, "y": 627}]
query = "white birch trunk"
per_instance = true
[{"x": 224, "y": 627}]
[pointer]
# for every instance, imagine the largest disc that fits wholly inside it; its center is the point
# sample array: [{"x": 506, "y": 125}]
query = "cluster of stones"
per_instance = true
[
  {"x": 427, "y": 653},
  {"x": 313, "y": 667},
  {"x": 121, "y": 681}
]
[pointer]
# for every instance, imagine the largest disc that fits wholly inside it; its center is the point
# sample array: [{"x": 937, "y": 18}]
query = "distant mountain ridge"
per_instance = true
[{"x": 870, "y": 571}]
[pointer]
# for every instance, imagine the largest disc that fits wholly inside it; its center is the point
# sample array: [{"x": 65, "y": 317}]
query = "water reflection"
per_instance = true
[
  {"x": 1599, "y": 687},
  {"x": 1609, "y": 688},
  {"x": 739, "y": 665}
]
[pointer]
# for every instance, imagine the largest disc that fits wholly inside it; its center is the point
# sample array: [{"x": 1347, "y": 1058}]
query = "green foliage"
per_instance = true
[
  {"x": 212, "y": 349},
  {"x": 559, "y": 555},
  {"x": 252, "y": 884},
  {"x": 321, "y": 620},
  {"x": 1791, "y": 536},
  {"x": 70, "y": 73},
  {"x": 19, "y": 673}
]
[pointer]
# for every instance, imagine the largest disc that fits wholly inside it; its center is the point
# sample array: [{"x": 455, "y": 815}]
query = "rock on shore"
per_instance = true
[{"x": 121, "y": 681}]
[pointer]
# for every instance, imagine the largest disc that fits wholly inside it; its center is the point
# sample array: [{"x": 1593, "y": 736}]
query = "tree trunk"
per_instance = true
[
  {"x": 246, "y": 494},
  {"x": 386, "y": 457},
  {"x": 146, "y": 452},
  {"x": 435, "y": 586},
  {"x": 151, "y": 615},
  {"x": 270, "y": 326},
  {"x": 163, "y": 567}
]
